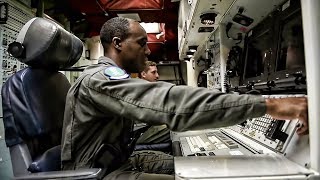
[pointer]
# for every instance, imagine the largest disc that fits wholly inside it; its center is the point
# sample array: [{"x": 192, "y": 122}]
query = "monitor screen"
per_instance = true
[
  {"x": 258, "y": 54},
  {"x": 291, "y": 50}
]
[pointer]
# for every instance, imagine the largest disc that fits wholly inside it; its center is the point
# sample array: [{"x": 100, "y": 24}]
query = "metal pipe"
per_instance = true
[
  {"x": 311, "y": 32},
  {"x": 223, "y": 55}
]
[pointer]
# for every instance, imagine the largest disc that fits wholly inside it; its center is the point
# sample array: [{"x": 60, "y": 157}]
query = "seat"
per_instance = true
[{"x": 34, "y": 98}]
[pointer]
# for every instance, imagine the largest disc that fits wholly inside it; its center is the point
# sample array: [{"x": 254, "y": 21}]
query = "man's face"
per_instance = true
[
  {"x": 135, "y": 50},
  {"x": 151, "y": 75}
]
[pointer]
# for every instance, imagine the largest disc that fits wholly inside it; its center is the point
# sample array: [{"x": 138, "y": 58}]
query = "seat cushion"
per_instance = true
[{"x": 48, "y": 161}]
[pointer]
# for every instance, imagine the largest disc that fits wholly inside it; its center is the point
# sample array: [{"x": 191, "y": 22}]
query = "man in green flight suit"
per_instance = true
[
  {"x": 103, "y": 103},
  {"x": 154, "y": 134}
]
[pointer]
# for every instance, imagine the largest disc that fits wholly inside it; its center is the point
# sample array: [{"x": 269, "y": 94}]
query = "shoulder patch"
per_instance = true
[{"x": 115, "y": 73}]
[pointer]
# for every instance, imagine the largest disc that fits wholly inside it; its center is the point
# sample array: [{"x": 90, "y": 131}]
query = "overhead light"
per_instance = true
[
  {"x": 151, "y": 27},
  {"x": 208, "y": 18},
  {"x": 134, "y": 16},
  {"x": 193, "y": 48}
]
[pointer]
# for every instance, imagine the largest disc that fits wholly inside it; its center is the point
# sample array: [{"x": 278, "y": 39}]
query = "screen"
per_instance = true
[
  {"x": 291, "y": 50},
  {"x": 258, "y": 54}
]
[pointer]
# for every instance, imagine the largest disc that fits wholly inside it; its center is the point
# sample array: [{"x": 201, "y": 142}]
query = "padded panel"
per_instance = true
[
  {"x": 33, "y": 106},
  {"x": 48, "y": 45},
  {"x": 48, "y": 161}
]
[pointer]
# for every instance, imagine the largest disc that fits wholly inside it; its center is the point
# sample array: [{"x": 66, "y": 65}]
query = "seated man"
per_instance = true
[
  {"x": 104, "y": 102},
  {"x": 154, "y": 134},
  {"x": 150, "y": 72}
]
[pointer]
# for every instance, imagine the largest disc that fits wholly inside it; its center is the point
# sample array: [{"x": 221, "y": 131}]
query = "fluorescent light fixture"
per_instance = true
[
  {"x": 151, "y": 27},
  {"x": 134, "y": 16}
]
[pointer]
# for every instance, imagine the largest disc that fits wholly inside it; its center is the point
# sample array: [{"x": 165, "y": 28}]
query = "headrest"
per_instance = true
[{"x": 43, "y": 43}]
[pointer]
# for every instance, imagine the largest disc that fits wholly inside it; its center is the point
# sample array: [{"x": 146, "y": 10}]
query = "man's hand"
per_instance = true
[{"x": 290, "y": 109}]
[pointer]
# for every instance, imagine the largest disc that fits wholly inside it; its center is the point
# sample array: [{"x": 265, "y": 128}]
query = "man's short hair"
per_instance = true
[
  {"x": 115, "y": 27},
  {"x": 148, "y": 64},
  {"x": 146, "y": 67}
]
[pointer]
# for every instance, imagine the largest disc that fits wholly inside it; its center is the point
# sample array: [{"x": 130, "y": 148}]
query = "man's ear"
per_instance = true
[
  {"x": 143, "y": 74},
  {"x": 116, "y": 42}
]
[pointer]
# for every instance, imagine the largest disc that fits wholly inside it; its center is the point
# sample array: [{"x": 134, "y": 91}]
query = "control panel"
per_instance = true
[
  {"x": 266, "y": 132},
  {"x": 18, "y": 15},
  {"x": 270, "y": 132},
  {"x": 265, "y": 143},
  {"x": 213, "y": 142}
]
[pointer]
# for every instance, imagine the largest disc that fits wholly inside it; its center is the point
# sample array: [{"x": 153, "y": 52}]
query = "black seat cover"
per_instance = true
[
  {"x": 34, "y": 98},
  {"x": 33, "y": 108}
]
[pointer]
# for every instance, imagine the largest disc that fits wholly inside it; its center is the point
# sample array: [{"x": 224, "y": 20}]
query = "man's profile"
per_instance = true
[{"x": 150, "y": 72}]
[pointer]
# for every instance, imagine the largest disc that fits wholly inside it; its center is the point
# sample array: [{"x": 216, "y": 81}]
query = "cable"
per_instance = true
[
  {"x": 104, "y": 11},
  {"x": 226, "y": 83},
  {"x": 182, "y": 82},
  {"x": 228, "y": 27}
]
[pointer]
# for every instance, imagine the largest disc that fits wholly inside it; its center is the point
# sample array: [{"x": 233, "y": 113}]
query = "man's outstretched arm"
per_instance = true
[{"x": 290, "y": 108}]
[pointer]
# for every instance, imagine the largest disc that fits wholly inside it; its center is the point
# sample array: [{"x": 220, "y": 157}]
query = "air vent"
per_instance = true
[
  {"x": 208, "y": 18},
  {"x": 242, "y": 19},
  {"x": 205, "y": 29}
]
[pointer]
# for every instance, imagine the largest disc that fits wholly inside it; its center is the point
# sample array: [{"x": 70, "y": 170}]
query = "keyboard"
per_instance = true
[{"x": 208, "y": 143}]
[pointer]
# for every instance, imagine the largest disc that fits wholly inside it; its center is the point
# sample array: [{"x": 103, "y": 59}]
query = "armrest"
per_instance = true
[
  {"x": 156, "y": 147},
  {"x": 94, "y": 173}
]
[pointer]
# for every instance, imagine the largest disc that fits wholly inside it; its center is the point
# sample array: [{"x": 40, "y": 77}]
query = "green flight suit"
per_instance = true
[{"x": 99, "y": 114}]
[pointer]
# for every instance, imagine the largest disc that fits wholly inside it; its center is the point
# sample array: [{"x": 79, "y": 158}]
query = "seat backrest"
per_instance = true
[{"x": 33, "y": 99}]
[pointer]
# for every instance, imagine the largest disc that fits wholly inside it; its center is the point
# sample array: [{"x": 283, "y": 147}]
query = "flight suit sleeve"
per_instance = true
[{"x": 181, "y": 108}]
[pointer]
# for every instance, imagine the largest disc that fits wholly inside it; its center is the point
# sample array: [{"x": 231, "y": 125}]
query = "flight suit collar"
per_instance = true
[{"x": 106, "y": 61}]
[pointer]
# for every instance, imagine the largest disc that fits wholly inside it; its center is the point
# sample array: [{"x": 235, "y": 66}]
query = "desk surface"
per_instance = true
[{"x": 238, "y": 166}]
